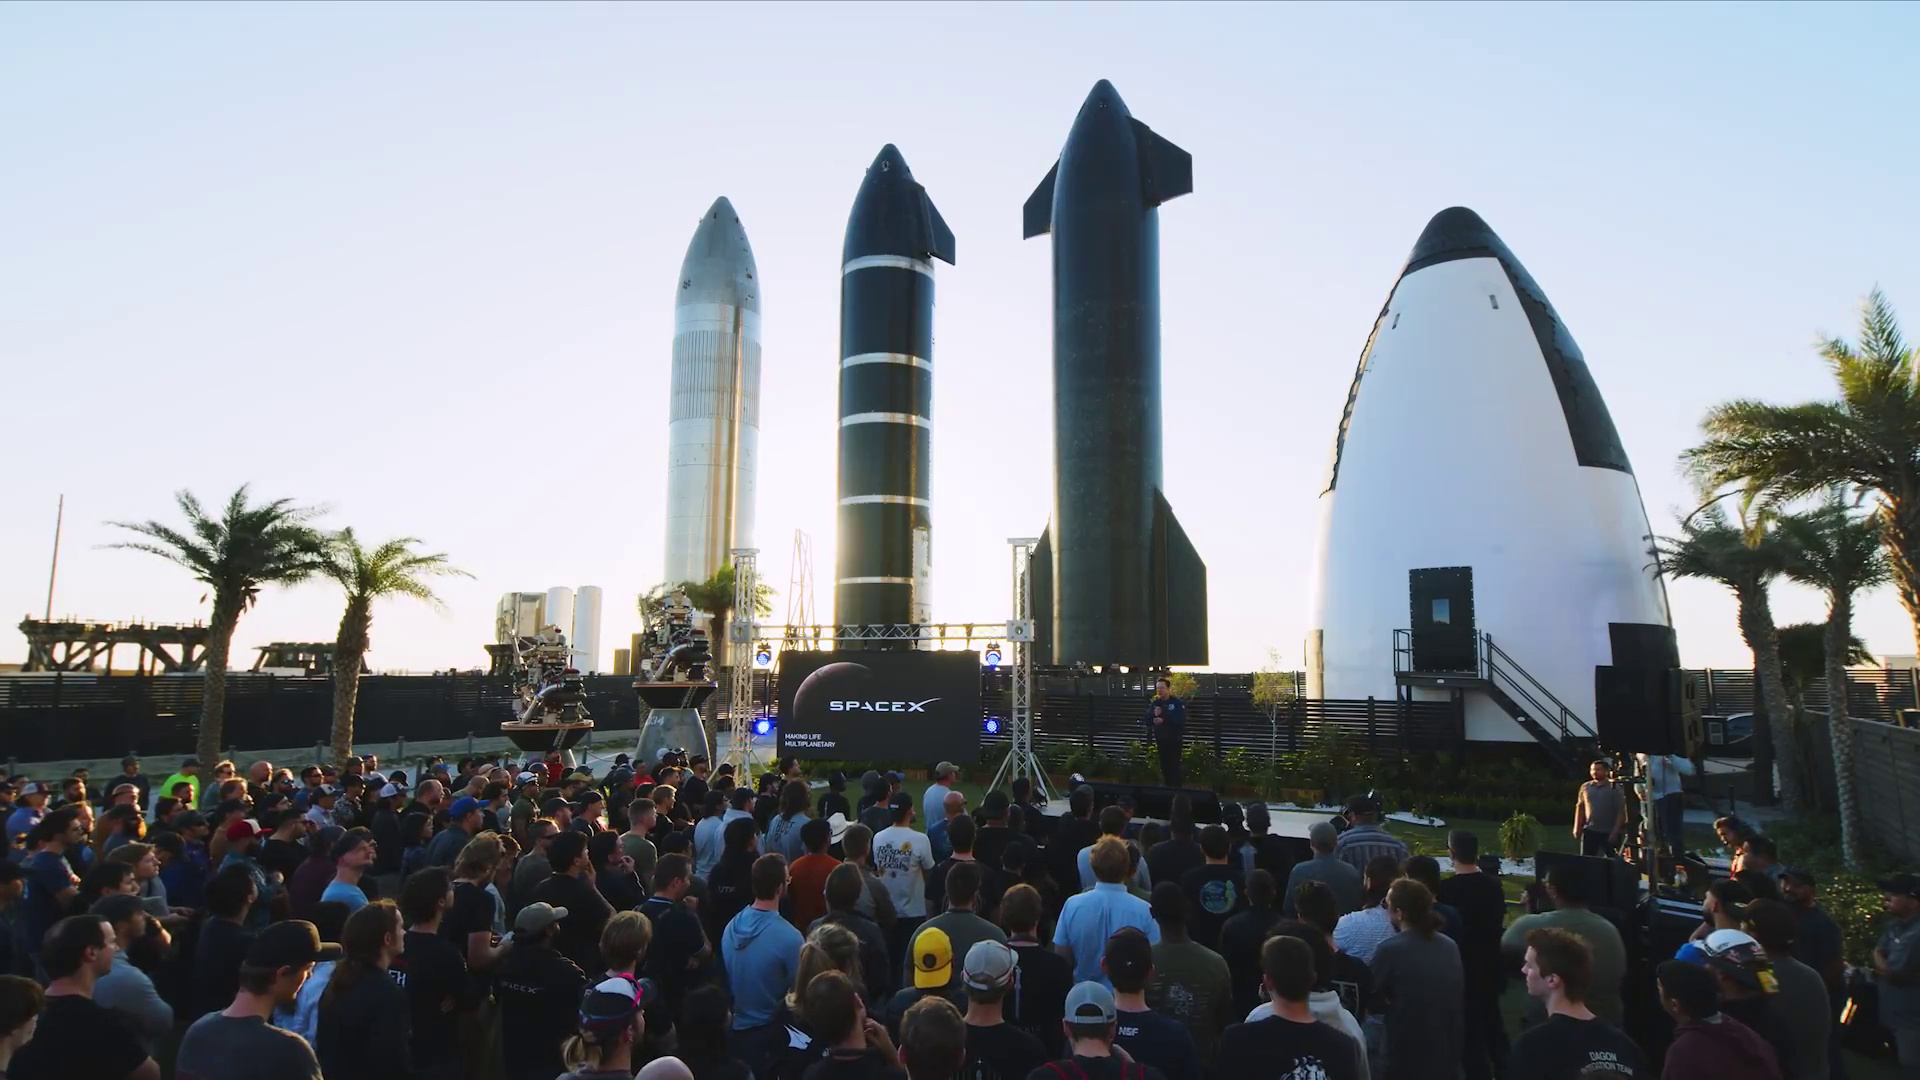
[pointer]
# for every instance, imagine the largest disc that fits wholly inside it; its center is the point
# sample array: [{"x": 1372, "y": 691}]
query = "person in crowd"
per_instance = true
[
  {"x": 1707, "y": 1044},
  {"x": 1147, "y": 1036},
  {"x": 364, "y": 1023},
  {"x": 52, "y": 884},
  {"x": 1033, "y": 1002},
  {"x": 1323, "y": 1000},
  {"x": 1559, "y": 971},
  {"x": 1748, "y": 988},
  {"x": 1215, "y": 891},
  {"x": 1818, "y": 944},
  {"x": 962, "y": 839},
  {"x": 309, "y": 881},
  {"x": 783, "y": 832},
  {"x": 933, "y": 1040},
  {"x": 990, "y": 841},
  {"x": 901, "y": 857},
  {"x": 635, "y": 843},
  {"x": 831, "y": 948},
  {"x": 303, "y": 1016},
  {"x": 992, "y": 1045},
  {"x": 188, "y": 774},
  {"x": 1425, "y": 869},
  {"x": 13, "y": 950},
  {"x": 538, "y": 990},
  {"x": 1418, "y": 984},
  {"x": 1090, "y": 1026},
  {"x": 611, "y": 1026},
  {"x": 463, "y": 824},
  {"x": 223, "y": 1044},
  {"x": 468, "y": 925},
  {"x": 1760, "y": 853},
  {"x": 1365, "y": 838},
  {"x": 590, "y": 812},
  {"x": 858, "y": 1047},
  {"x": 613, "y": 872},
  {"x": 1725, "y": 908},
  {"x": 21, "y": 1001},
  {"x": 1665, "y": 787},
  {"x": 952, "y": 809},
  {"x": 125, "y": 990},
  {"x": 1167, "y": 729},
  {"x": 385, "y": 823},
  {"x": 1482, "y": 907},
  {"x": 843, "y": 890},
  {"x": 76, "y": 1036},
  {"x": 1191, "y": 983},
  {"x": 930, "y": 967},
  {"x": 1240, "y": 941},
  {"x": 834, "y": 800},
  {"x": 707, "y": 843},
  {"x": 809, "y": 873},
  {"x": 1292, "y": 1039},
  {"x": 28, "y": 813},
  {"x": 934, "y": 800},
  {"x": 1347, "y": 883},
  {"x": 107, "y": 879},
  {"x": 1089, "y": 919},
  {"x": 1599, "y": 812},
  {"x": 534, "y": 867},
  {"x": 434, "y": 975},
  {"x": 760, "y": 955},
  {"x": 730, "y": 886},
  {"x": 269, "y": 886},
  {"x": 1566, "y": 887},
  {"x": 186, "y": 877},
  {"x": 1733, "y": 831},
  {"x": 680, "y": 952},
  {"x": 704, "y": 1037},
  {"x": 1167, "y": 860},
  {"x": 353, "y": 855},
  {"x": 960, "y": 922},
  {"x": 144, "y": 860},
  {"x": 1360, "y": 932},
  {"x": 1800, "y": 1005},
  {"x": 1277, "y": 855},
  {"x": 1072, "y": 834},
  {"x": 224, "y": 940},
  {"x": 117, "y": 825},
  {"x": 571, "y": 886}
]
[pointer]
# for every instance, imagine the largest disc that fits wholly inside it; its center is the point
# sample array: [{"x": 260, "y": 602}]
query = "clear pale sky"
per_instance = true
[{"x": 416, "y": 263}]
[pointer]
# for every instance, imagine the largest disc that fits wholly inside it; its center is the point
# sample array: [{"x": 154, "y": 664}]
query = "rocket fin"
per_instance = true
[
  {"x": 1166, "y": 171},
  {"x": 1038, "y": 213},
  {"x": 939, "y": 237},
  {"x": 1178, "y": 592},
  {"x": 1041, "y": 569}
]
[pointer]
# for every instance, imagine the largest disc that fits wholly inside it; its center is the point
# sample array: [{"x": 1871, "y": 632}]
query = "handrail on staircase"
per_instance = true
[{"x": 1497, "y": 665}]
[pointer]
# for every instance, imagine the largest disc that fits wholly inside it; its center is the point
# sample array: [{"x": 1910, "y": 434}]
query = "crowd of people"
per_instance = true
[{"x": 495, "y": 920}]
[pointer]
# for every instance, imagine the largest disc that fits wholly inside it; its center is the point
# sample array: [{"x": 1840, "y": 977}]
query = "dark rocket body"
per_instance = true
[
  {"x": 1116, "y": 580},
  {"x": 886, "y": 397}
]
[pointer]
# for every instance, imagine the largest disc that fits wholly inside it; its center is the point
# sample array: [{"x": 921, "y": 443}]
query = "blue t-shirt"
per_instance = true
[
  {"x": 340, "y": 892},
  {"x": 47, "y": 875},
  {"x": 22, "y": 821}
]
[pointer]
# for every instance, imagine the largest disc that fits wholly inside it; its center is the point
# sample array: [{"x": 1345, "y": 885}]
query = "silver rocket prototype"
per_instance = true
[{"x": 713, "y": 417}]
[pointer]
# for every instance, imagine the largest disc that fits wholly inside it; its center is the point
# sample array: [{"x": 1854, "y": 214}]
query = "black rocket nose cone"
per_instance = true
[
  {"x": 888, "y": 163},
  {"x": 1453, "y": 232}
]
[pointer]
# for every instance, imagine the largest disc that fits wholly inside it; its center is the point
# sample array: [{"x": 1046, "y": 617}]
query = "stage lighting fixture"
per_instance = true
[
  {"x": 762, "y": 656},
  {"x": 993, "y": 725},
  {"x": 763, "y": 726},
  {"x": 992, "y": 657}
]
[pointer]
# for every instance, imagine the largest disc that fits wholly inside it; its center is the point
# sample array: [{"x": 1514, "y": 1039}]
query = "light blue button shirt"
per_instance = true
[{"x": 1090, "y": 918}]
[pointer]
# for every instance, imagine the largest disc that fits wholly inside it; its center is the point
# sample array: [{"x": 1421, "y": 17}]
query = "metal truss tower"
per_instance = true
[
  {"x": 800, "y": 596},
  {"x": 1020, "y": 760},
  {"x": 740, "y": 638}
]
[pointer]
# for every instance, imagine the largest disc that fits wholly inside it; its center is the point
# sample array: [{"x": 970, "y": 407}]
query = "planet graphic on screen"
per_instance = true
[{"x": 834, "y": 681}]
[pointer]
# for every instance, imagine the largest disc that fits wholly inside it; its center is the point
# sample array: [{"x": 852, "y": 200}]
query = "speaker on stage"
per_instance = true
[
  {"x": 1607, "y": 883},
  {"x": 1646, "y": 710}
]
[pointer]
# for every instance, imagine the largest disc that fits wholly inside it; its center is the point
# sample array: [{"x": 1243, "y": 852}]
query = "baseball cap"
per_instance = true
[
  {"x": 118, "y": 788},
  {"x": 989, "y": 965},
  {"x": 36, "y": 787},
  {"x": 1368, "y": 803},
  {"x": 353, "y": 779},
  {"x": 896, "y": 777},
  {"x": 130, "y": 759},
  {"x": 390, "y": 790},
  {"x": 350, "y": 839},
  {"x": 243, "y": 829},
  {"x": 621, "y": 759},
  {"x": 554, "y": 804},
  {"x": 189, "y": 819},
  {"x": 589, "y": 797},
  {"x": 462, "y": 806},
  {"x": 932, "y": 958},
  {"x": 620, "y": 775},
  {"x": 1089, "y": 1003},
  {"x": 537, "y": 916},
  {"x": 579, "y": 777},
  {"x": 1902, "y": 885},
  {"x": 900, "y": 801},
  {"x": 190, "y": 763},
  {"x": 1796, "y": 876},
  {"x": 325, "y": 791},
  {"x": 944, "y": 768},
  {"x": 526, "y": 778},
  {"x": 1735, "y": 954},
  {"x": 294, "y": 943}
]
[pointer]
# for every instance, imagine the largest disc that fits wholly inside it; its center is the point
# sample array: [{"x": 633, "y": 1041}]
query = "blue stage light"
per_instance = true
[
  {"x": 992, "y": 657},
  {"x": 993, "y": 725},
  {"x": 763, "y": 726},
  {"x": 763, "y": 657}
]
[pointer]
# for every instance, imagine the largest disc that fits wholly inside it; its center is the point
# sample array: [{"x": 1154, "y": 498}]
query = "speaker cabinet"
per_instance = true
[{"x": 1646, "y": 710}]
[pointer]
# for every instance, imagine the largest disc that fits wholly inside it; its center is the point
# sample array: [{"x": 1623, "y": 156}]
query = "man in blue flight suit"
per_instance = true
[{"x": 1167, "y": 726}]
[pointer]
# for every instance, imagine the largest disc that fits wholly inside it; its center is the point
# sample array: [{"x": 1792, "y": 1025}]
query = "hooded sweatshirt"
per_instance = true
[
  {"x": 1326, "y": 1008},
  {"x": 761, "y": 953},
  {"x": 1720, "y": 1048}
]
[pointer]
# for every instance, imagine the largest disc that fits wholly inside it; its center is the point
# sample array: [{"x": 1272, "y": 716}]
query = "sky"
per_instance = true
[{"x": 416, "y": 264}]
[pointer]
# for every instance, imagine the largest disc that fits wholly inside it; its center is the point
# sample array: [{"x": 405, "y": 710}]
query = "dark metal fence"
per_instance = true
[{"x": 1872, "y": 693}]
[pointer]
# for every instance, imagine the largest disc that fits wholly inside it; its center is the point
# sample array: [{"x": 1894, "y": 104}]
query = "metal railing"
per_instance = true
[{"x": 1505, "y": 672}]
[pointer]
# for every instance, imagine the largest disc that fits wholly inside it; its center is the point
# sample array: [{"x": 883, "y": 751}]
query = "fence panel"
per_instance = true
[{"x": 1886, "y": 765}]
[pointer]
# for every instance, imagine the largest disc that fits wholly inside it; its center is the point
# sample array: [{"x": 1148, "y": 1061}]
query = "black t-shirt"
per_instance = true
[
  {"x": 1240, "y": 941},
  {"x": 621, "y": 889},
  {"x": 1001, "y": 1052},
  {"x": 220, "y": 1047},
  {"x": 75, "y": 1039},
  {"x": 217, "y": 957},
  {"x": 990, "y": 844},
  {"x": 1070, "y": 834},
  {"x": 834, "y": 802},
  {"x": 1215, "y": 893},
  {"x": 1159, "y": 1041},
  {"x": 865, "y": 1065},
  {"x": 1483, "y": 914},
  {"x": 677, "y": 938},
  {"x": 723, "y": 1068},
  {"x": 993, "y": 885},
  {"x": 1171, "y": 859},
  {"x": 1280, "y": 1049},
  {"x": 1754, "y": 1013},
  {"x": 539, "y": 994},
  {"x": 587, "y": 915},
  {"x": 434, "y": 975},
  {"x": 1353, "y": 981},
  {"x": 1037, "y": 1001},
  {"x": 472, "y": 913},
  {"x": 729, "y": 890},
  {"x": 1561, "y": 1047},
  {"x": 282, "y": 855},
  {"x": 1086, "y": 1068}
]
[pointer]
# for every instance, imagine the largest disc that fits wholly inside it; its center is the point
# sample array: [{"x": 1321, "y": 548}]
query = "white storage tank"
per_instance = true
[{"x": 586, "y": 628}]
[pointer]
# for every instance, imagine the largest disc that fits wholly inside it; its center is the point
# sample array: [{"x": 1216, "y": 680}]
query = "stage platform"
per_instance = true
[{"x": 1286, "y": 820}]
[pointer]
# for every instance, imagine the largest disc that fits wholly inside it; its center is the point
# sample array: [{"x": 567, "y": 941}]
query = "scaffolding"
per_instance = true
[
  {"x": 70, "y": 645},
  {"x": 1019, "y": 632},
  {"x": 741, "y": 635}
]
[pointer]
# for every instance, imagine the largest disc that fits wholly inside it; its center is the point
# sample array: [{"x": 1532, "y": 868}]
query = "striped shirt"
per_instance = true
[{"x": 1362, "y": 844}]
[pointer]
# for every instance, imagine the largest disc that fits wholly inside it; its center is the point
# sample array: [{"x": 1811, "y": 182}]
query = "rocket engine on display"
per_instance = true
[
  {"x": 1116, "y": 582},
  {"x": 886, "y": 398},
  {"x": 1479, "y": 518},
  {"x": 670, "y": 674}
]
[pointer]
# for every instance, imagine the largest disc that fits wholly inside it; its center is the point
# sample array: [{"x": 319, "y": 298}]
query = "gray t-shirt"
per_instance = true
[
  {"x": 1419, "y": 984},
  {"x": 1603, "y": 805},
  {"x": 1609, "y": 957},
  {"x": 220, "y": 1047},
  {"x": 1801, "y": 1007}
]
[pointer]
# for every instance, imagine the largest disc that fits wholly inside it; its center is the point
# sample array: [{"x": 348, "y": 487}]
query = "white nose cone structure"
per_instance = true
[
  {"x": 713, "y": 423},
  {"x": 1481, "y": 532}
]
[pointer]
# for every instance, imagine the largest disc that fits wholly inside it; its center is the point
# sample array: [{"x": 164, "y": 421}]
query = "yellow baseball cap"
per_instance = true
[{"x": 932, "y": 958}]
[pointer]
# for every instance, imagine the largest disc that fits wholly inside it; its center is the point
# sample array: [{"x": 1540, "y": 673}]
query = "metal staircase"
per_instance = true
[{"x": 1567, "y": 738}]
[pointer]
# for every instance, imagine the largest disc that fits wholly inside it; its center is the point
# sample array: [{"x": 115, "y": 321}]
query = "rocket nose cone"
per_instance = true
[
  {"x": 888, "y": 164},
  {"x": 719, "y": 263},
  {"x": 1451, "y": 232},
  {"x": 1103, "y": 97},
  {"x": 722, "y": 210}
]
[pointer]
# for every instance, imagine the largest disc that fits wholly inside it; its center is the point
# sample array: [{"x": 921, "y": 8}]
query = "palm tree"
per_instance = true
[
  {"x": 1840, "y": 552},
  {"x": 715, "y": 597},
  {"x": 1745, "y": 557},
  {"x": 368, "y": 574},
  {"x": 1869, "y": 438},
  {"x": 248, "y": 546}
]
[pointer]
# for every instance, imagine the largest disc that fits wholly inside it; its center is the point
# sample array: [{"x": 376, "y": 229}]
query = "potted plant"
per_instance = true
[{"x": 1519, "y": 837}]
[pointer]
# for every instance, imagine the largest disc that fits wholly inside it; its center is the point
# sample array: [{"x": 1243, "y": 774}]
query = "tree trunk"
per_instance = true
[
  {"x": 1756, "y": 625},
  {"x": 1900, "y": 532},
  {"x": 213, "y": 701},
  {"x": 1840, "y": 728},
  {"x": 349, "y": 652}
]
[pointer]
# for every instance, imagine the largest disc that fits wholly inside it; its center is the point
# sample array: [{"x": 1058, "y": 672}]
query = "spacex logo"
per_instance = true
[{"x": 880, "y": 706}]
